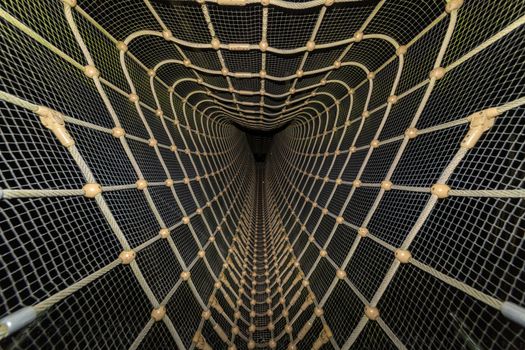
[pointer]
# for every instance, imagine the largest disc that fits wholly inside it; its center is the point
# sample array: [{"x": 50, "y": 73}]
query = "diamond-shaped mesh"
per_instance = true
[{"x": 240, "y": 174}]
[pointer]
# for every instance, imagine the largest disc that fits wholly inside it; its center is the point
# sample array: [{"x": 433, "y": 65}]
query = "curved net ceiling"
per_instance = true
[{"x": 388, "y": 212}]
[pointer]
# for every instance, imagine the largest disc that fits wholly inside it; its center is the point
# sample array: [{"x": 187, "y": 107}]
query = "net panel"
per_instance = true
[{"x": 388, "y": 213}]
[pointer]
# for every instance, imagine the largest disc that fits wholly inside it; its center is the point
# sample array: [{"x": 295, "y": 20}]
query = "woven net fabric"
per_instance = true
[{"x": 387, "y": 213}]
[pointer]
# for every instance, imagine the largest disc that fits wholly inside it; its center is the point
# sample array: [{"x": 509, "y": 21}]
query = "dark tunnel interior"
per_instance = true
[{"x": 262, "y": 174}]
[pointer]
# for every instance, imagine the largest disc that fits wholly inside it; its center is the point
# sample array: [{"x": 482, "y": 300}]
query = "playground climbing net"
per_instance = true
[{"x": 388, "y": 213}]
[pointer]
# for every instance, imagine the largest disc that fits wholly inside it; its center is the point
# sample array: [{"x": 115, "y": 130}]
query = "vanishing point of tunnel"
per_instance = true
[{"x": 262, "y": 174}]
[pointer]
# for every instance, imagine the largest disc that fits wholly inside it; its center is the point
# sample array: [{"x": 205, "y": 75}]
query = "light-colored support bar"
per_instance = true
[
  {"x": 513, "y": 312},
  {"x": 16, "y": 321}
]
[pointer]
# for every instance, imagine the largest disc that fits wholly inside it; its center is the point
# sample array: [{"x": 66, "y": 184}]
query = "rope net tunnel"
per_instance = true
[{"x": 246, "y": 174}]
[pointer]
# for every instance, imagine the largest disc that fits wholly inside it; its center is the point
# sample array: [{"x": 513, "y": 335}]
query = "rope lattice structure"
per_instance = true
[{"x": 388, "y": 212}]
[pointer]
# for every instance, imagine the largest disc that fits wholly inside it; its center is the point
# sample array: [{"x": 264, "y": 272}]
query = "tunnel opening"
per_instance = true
[
  {"x": 262, "y": 174},
  {"x": 261, "y": 141}
]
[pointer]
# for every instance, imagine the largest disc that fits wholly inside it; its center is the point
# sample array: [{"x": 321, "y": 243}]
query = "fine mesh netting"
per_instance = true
[{"x": 240, "y": 174}]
